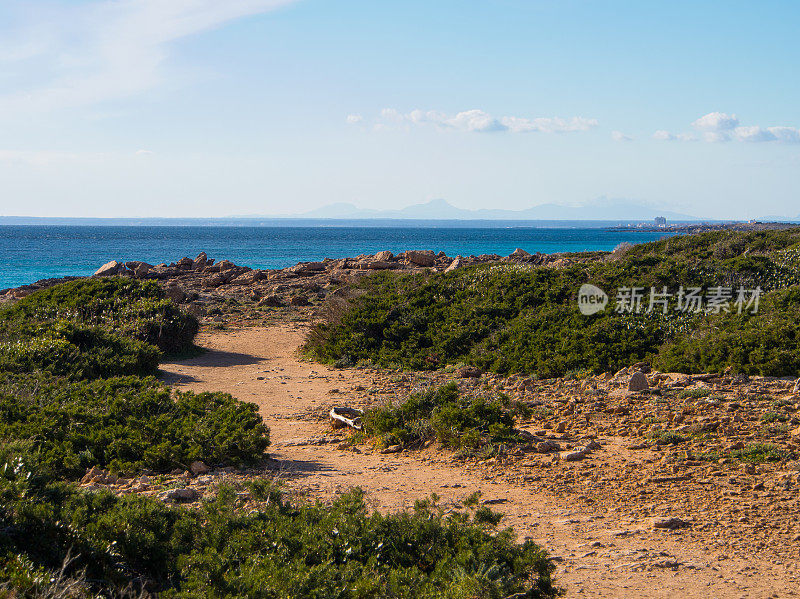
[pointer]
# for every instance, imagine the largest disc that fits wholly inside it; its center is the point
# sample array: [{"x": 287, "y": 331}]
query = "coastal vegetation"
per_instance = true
[
  {"x": 520, "y": 318},
  {"x": 455, "y": 420},
  {"x": 76, "y": 392}
]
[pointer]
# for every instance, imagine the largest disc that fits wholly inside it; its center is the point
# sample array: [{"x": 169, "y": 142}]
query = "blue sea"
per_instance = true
[{"x": 32, "y": 252}]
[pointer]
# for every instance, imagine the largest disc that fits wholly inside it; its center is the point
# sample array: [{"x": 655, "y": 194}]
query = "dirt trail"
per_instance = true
[{"x": 598, "y": 554}]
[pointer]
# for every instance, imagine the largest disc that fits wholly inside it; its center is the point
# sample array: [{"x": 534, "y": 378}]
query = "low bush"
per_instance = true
[
  {"x": 522, "y": 318},
  {"x": 93, "y": 328},
  {"x": 126, "y": 425},
  {"x": 455, "y": 420},
  {"x": 76, "y": 351},
  {"x": 278, "y": 550},
  {"x": 128, "y": 307}
]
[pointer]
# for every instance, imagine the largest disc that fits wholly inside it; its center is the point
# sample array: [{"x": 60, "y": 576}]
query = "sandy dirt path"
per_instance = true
[{"x": 597, "y": 553}]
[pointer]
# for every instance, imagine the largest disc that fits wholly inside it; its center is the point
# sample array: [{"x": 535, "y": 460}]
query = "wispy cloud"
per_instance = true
[
  {"x": 479, "y": 121},
  {"x": 106, "y": 50},
  {"x": 620, "y": 136},
  {"x": 718, "y": 127}
]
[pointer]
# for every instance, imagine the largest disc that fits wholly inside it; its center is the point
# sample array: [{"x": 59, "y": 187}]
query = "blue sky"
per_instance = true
[{"x": 209, "y": 108}]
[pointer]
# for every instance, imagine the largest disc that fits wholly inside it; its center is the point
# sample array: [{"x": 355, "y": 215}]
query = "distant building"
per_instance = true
[{"x": 661, "y": 221}]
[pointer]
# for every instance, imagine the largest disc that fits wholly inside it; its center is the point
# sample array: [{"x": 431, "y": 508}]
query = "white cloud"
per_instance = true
[
  {"x": 716, "y": 122},
  {"x": 353, "y": 119},
  {"x": 144, "y": 152},
  {"x": 753, "y": 134},
  {"x": 716, "y": 136},
  {"x": 479, "y": 121},
  {"x": 620, "y": 136},
  {"x": 719, "y": 127},
  {"x": 110, "y": 50},
  {"x": 785, "y": 134}
]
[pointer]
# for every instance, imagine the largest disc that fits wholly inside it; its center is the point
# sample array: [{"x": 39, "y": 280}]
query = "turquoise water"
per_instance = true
[{"x": 30, "y": 253}]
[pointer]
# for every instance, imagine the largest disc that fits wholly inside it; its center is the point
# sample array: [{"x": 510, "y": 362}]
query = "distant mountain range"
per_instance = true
[{"x": 599, "y": 209}]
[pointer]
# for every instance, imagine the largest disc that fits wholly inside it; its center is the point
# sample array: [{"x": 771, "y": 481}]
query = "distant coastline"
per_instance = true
[{"x": 339, "y": 222}]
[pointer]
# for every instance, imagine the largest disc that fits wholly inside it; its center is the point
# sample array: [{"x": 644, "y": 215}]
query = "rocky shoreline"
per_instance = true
[{"x": 202, "y": 280}]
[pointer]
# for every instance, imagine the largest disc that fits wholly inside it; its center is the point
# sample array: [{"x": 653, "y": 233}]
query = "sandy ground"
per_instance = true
[{"x": 598, "y": 553}]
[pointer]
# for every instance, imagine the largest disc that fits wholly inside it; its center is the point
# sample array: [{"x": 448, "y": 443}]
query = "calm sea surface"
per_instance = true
[{"x": 30, "y": 253}]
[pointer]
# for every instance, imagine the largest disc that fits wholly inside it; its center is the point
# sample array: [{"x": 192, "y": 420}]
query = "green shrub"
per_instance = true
[
  {"x": 278, "y": 550},
  {"x": 443, "y": 414},
  {"x": 132, "y": 308},
  {"x": 93, "y": 328},
  {"x": 764, "y": 343},
  {"x": 76, "y": 351},
  {"x": 126, "y": 425},
  {"x": 757, "y": 453},
  {"x": 520, "y": 318}
]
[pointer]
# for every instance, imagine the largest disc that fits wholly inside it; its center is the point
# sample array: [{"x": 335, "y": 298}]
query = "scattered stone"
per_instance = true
[
  {"x": 272, "y": 301},
  {"x": 469, "y": 372},
  {"x": 574, "y": 455},
  {"x": 98, "y": 476},
  {"x": 178, "y": 495},
  {"x": 669, "y": 523},
  {"x": 638, "y": 382},
  {"x": 299, "y": 300},
  {"x": 547, "y": 446},
  {"x": 392, "y": 449},
  {"x": 198, "y": 467}
]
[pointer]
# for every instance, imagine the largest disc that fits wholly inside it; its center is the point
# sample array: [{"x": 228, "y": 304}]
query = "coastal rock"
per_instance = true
[
  {"x": 519, "y": 254},
  {"x": 142, "y": 270},
  {"x": 421, "y": 258},
  {"x": 185, "y": 263},
  {"x": 376, "y": 265},
  {"x": 215, "y": 280},
  {"x": 201, "y": 261},
  {"x": 224, "y": 265},
  {"x": 249, "y": 277},
  {"x": 109, "y": 269},
  {"x": 272, "y": 301},
  {"x": 384, "y": 256},
  {"x": 454, "y": 265},
  {"x": 638, "y": 382},
  {"x": 308, "y": 268}
]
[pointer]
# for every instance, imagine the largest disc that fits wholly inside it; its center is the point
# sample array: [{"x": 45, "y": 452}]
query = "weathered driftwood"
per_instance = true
[{"x": 342, "y": 416}]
